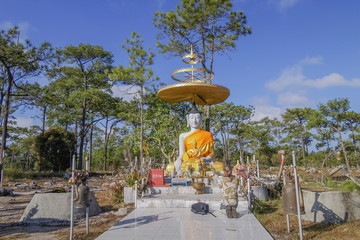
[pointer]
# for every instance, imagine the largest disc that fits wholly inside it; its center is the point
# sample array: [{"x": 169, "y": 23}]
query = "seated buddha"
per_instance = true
[{"x": 195, "y": 148}]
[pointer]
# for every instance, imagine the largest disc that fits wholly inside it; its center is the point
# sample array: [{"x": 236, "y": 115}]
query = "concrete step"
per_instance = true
[
  {"x": 183, "y": 197},
  {"x": 182, "y": 203}
]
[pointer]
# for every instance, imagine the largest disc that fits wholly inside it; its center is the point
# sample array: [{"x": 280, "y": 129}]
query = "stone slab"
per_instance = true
[
  {"x": 333, "y": 206},
  {"x": 55, "y": 207}
]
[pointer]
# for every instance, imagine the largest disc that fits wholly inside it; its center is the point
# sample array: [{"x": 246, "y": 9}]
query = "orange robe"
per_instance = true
[{"x": 198, "y": 144}]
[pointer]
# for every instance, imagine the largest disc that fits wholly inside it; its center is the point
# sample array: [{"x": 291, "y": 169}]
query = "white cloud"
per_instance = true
[
  {"x": 160, "y": 4},
  {"x": 127, "y": 93},
  {"x": 264, "y": 109},
  {"x": 293, "y": 78},
  {"x": 334, "y": 79},
  {"x": 287, "y": 3},
  {"x": 312, "y": 60},
  {"x": 24, "y": 122},
  {"x": 291, "y": 99},
  {"x": 284, "y": 4}
]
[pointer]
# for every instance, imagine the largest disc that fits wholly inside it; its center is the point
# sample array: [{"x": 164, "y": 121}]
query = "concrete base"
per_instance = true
[
  {"x": 129, "y": 195},
  {"x": 183, "y": 197},
  {"x": 47, "y": 208},
  {"x": 332, "y": 207},
  {"x": 260, "y": 193}
]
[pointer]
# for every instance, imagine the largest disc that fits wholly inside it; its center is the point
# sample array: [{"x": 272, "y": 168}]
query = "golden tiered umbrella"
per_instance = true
[{"x": 195, "y": 85}]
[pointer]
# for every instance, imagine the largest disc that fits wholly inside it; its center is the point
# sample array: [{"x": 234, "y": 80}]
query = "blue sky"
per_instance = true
[{"x": 301, "y": 52}]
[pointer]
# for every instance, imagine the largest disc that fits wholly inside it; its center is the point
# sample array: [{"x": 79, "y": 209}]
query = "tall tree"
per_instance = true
[
  {"x": 241, "y": 128},
  {"x": 210, "y": 27},
  {"x": 108, "y": 110},
  {"x": 334, "y": 114},
  {"x": 295, "y": 121},
  {"x": 353, "y": 124},
  {"x": 18, "y": 61},
  {"x": 231, "y": 121},
  {"x": 81, "y": 83},
  {"x": 138, "y": 74},
  {"x": 165, "y": 122}
]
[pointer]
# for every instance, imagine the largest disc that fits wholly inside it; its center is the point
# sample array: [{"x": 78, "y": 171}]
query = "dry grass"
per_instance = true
[{"x": 271, "y": 215}]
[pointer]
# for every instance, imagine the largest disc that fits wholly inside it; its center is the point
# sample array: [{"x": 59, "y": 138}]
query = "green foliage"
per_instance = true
[
  {"x": 54, "y": 148},
  {"x": 329, "y": 182},
  {"x": 262, "y": 207},
  {"x": 80, "y": 84},
  {"x": 13, "y": 174},
  {"x": 18, "y": 62},
  {"x": 117, "y": 192},
  {"x": 79, "y": 99},
  {"x": 140, "y": 76},
  {"x": 349, "y": 186},
  {"x": 132, "y": 178},
  {"x": 232, "y": 123},
  {"x": 209, "y": 26}
]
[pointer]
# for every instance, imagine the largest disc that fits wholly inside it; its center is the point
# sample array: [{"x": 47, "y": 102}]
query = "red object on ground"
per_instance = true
[{"x": 157, "y": 177}]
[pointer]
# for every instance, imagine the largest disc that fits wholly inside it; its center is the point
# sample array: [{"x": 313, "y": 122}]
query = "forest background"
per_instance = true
[{"x": 81, "y": 117}]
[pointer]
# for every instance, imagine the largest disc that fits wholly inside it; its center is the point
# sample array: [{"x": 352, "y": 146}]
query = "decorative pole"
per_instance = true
[
  {"x": 87, "y": 164},
  {"x": 135, "y": 193},
  {"x": 249, "y": 190},
  {"x": 72, "y": 198},
  {"x": 281, "y": 154},
  {"x": 297, "y": 195}
]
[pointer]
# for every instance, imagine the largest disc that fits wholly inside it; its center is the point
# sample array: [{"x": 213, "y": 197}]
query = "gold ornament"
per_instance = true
[{"x": 195, "y": 86}]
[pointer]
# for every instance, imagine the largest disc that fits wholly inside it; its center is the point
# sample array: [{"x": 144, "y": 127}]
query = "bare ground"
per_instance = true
[{"x": 12, "y": 208}]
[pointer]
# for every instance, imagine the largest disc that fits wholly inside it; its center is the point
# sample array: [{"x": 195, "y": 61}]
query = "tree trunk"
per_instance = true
[
  {"x": 82, "y": 135},
  {"x": 141, "y": 123},
  {"x": 344, "y": 150},
  {"x": 43, "y": 119},
  {"x": 355, "y": 149},
  {"x": 241, "y": 152},
  {"x": 2, "y": 96},
  {"x": 76, "y": 144},
  {"x": 5, "y": 118},
  {"x": 223, "y": 144},
  {"x": 105, "y": 143},
  {"x": 303, "y": 147},
  {"x": 91, "y": 146}
]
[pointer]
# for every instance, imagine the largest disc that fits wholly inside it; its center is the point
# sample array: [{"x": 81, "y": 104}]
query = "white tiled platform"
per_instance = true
[
  {"x": 181, "y": 223},
  {"x": 165, "y": 214}
]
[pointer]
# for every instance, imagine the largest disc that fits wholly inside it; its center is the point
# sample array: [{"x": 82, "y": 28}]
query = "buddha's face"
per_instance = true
[{"x": 195, "y": 120}]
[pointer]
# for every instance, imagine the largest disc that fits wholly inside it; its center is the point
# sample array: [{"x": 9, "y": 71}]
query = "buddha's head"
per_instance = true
[{"x": 194, "y": 118}]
